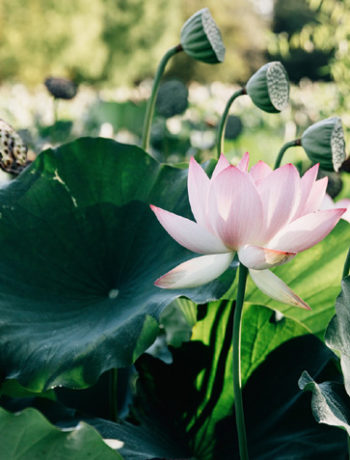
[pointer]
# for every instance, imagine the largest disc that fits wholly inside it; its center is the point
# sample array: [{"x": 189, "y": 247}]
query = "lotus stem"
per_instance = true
[
  {"x": 237, "y": 381},
  {"x": 152, "y": 100},
  {"x": 283, "y": 149},
  {"x": 55, "y": 110},
  {"x": 223, "y": 121}
]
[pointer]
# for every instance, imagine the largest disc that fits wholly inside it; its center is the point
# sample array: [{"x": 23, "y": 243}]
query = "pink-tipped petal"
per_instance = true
[
  {"x": 222, "y": 164},
  {"x": 195, "y": 272},
  {"x": 259, "y": 171},
  {"x": 344, "y": 203},
  {"x": 306, "y": 231},
  {"x": 243, "y": 164},
  {"x": 312, "y": 192},
  {"x": 235, "y": 208},
  {"x": 198, "y": 188},
  {"x": 279, "y": 193},
  {"x": 188, "y": 233},
  {"x": 260, "y": 258},
  {"x": 274, "y": 287}
]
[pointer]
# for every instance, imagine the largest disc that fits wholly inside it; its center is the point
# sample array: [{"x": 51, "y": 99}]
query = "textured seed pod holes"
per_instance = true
[{"x": 13, "y": 151}]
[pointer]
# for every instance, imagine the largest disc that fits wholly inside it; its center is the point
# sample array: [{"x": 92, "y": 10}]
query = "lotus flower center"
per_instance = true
[
  {"x": 277, "y": 85},
  {"x": 338, "y": 145}
]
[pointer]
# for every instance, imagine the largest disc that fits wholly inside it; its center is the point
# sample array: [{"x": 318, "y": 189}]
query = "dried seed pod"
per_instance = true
[
  {"x": 61, "y": 88},
  {"x": 13, "y": 151}
]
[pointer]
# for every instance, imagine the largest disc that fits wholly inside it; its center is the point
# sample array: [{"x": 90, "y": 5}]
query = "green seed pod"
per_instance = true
[
  {"x": 61, "y": 88},
  {"x": 269, "y": 87},
  {"x": 324, "y": 143},
  {"x": 172, "y": 99},
  {"x": 13, "y": 151},
  {"x": 201, "y": 38}
]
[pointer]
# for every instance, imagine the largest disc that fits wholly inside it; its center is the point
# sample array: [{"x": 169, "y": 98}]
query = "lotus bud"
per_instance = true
[
  {"x": 13, "y": 151},
  {"x": 269, "y": 87},
  {"x": 201, "y": 38},
  {"x": 61, "y": 88},
  {"x": 324, "y": 143}
]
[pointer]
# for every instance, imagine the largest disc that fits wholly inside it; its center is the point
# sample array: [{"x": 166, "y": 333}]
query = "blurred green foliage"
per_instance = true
[
  {"x": 99, "y": 40},
  {"x": 119, "y": 41},
  {"x": 299, "y": 55}
]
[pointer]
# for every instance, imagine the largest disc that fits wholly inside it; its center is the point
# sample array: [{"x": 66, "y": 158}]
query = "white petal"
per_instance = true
[
  {"x": 244, "y": 163},
  {"x": 195, "y": 272},
  {"x": 235, "y": 208},
  {"x": 260, "y": 258},
  {"x": 274, "y": 287},
  {"x": 327, "y": 203},
  {"x": 198, "y": 187},
  {"x": 306, "y": 231},
  {"x": 188, "y": 233},
  {"x": 222, "y": 164}
]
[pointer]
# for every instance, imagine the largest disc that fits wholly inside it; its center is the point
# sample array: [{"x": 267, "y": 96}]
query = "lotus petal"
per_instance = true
[
  {"x": 274, "y": 287},
  {"x": 306, "y": 231},
  {"x": 260, "y": 258},
  {"x": 188, "y": 233},
  {"x": 195, "y": 272}
]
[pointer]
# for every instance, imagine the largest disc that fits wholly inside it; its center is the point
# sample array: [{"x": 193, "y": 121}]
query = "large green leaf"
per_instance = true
[
  {"x": 330, "y": 403},
  {"x": 315, "y": 275},
  {"x": 29, "y": 436},
  {"x": 338, "y": 331},
  {"x": 80, "y": 253},
  {"x": 279, "y": 421}
]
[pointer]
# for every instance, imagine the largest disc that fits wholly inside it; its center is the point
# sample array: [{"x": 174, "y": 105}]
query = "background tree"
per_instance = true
[{"x": 293, "y": 46}]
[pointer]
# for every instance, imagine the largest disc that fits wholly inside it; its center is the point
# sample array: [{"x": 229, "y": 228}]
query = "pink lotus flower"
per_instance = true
[
  {"x": 266, "y": 216},
  {"x": 328, "y": 203}
]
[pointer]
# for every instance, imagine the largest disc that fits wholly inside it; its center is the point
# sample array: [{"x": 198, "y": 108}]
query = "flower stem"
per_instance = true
[
  {"x": 283, "y": 149},
  {"x": 346, "y": 265},
  {"x": 237, "y": 383},
  {"x": 152, "y": 100},
  {"x": 223, "y": 121}
]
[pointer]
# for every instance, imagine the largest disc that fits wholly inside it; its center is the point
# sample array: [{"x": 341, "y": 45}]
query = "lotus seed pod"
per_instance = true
[
  {"x": 13, "y": 151},
  {"x": 324, "y": 143},
  {"x": 269, "y": 87},
  {"x": 172, "y": 99},
  {"x": 335, "y": 183},
  {"x": 201, "y": 38},
  {"x": 61, "y": 88},
  {"x": 234, "y": 127}
]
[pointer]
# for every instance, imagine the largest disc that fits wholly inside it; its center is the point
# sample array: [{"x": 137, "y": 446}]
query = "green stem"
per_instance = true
[
  {"x": 113, "y": 403},
  {"x": 55, "y": 110},
  {"x": 346, "y": 266},
  {"x": 283, "y": 149},
  {"x": 237, "y": 383},
  {"x": 152, "y": 100},
  {"x": 223, "y": 121}
]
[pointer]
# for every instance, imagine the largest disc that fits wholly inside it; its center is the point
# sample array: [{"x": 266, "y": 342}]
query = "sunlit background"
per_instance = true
[{"x": 111, "y": 49}]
